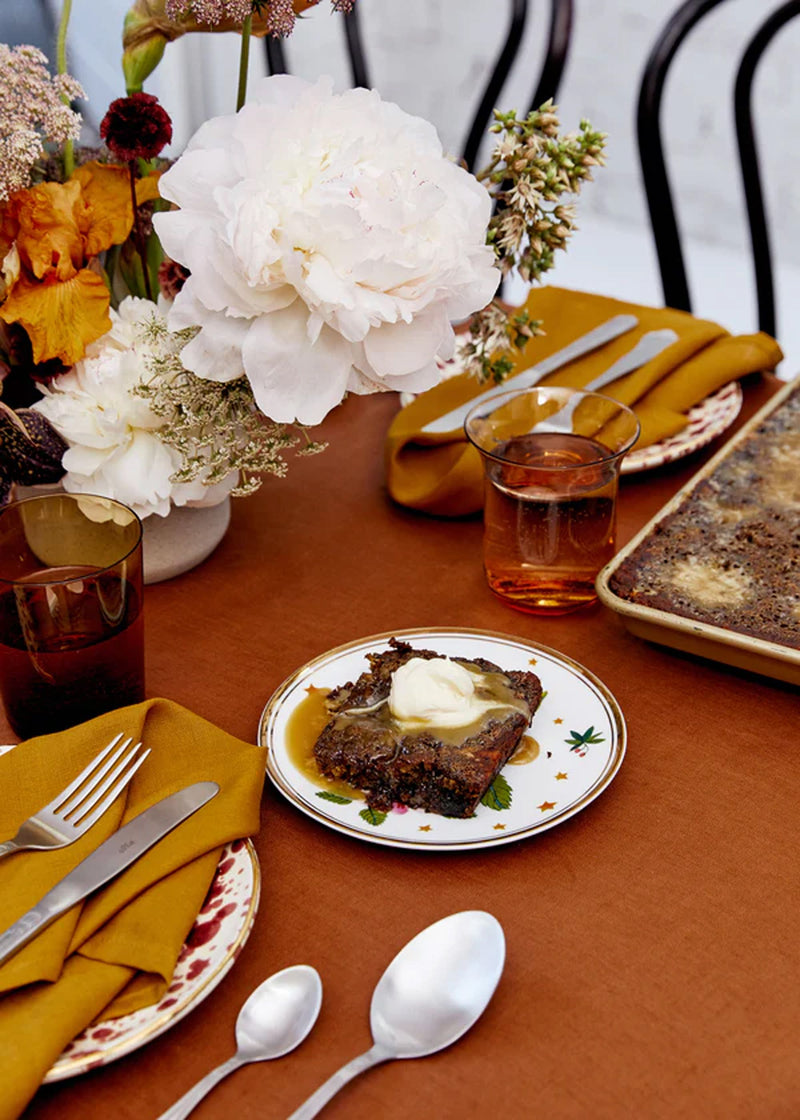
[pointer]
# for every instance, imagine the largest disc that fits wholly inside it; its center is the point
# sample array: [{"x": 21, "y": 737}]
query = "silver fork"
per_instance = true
[{"x": 73, "y": 811}]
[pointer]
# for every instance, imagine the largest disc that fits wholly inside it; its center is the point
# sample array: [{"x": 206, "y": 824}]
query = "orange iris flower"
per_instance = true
[{"x": 56, "y": 291}]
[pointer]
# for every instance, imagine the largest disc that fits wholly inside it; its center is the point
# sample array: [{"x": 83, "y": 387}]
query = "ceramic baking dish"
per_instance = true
[{"x": 688, "y": 635}]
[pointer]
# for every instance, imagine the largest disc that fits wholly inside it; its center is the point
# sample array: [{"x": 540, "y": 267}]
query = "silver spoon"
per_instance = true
[
  {"x": 274, "y": 1019},
  {"x": 429, "y": 996}
]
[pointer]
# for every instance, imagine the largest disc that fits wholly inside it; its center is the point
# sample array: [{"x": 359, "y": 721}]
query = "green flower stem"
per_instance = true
[
  {"x": 244, "y": 60},
  {"x": 136, "y": 232},
  {"x": 61, "y": 65}
]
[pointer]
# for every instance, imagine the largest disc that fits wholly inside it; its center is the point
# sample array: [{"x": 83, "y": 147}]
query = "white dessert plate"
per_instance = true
[
  {"x": 575, "y": 746},
  {"x": 214, "y": 942}
]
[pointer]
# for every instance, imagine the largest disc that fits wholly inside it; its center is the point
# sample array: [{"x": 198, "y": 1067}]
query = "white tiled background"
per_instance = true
[{"x": 431, "y": 56}]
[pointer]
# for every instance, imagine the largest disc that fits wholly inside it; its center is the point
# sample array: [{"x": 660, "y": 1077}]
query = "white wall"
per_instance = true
[
  {"x": 431, "y": 57},
  {"x": 438, "y": 74}
]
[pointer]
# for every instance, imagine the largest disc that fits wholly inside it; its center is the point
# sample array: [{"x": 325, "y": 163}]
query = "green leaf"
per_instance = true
[
  {"x": 372, "y": 816},
  {"x": 326, "y": 795},
  {"x": 498, "y": 795},
  {"x": 579, "y": 739}
]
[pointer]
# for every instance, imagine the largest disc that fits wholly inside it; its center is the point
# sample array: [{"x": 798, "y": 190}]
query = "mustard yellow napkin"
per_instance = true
[
  {"x": 442, "y": 474},
  {"x": 117, "y": 950}
]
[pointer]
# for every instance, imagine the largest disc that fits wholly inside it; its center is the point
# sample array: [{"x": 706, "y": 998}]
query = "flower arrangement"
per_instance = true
[{"x": 169, "y": 330}]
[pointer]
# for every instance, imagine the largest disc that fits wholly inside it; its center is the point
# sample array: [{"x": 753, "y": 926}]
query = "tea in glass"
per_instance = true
[{"x": 551, "y": 463}]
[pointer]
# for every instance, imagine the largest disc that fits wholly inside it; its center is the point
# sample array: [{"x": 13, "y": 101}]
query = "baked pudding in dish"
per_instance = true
[{"x": 728, "y": 555}]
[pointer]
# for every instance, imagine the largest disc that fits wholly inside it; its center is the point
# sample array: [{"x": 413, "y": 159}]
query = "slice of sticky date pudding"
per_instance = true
[{"x": 425, "y": 731}]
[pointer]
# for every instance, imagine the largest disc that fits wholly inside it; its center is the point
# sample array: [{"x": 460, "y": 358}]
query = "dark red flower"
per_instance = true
[
  {"x": 171, "y": 277},
  {"x": 136, "y": 127}
]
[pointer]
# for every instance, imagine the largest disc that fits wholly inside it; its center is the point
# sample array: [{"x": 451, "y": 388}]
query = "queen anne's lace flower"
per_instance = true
[
  {"x": 280, "y": 15},
  {"x": 114, "y": 448},
  {"x": 330, "y": 244},
  {"x": 210, "y": 11},
  {"x": 32, "y": 114}
]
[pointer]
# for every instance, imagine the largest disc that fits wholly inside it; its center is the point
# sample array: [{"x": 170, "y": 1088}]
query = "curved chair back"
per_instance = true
[
  {"x": 546, "y": 85},
  {"x": 748, "y": 158},
  {"x": 652, "y": 159}
]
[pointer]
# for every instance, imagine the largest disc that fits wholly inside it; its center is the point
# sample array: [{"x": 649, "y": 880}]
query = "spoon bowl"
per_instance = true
[
  {"x": 431, "y": 993},
  {"x": 274, "y": 1019},
  {"x": 439, "y": 985},
  {"x": 278, "y": 1015}
]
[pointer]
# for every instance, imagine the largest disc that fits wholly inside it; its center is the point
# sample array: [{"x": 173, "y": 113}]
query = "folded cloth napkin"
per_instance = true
[
  {"x": 116, "y": 951},
  {"x": 443, "y": 474}
]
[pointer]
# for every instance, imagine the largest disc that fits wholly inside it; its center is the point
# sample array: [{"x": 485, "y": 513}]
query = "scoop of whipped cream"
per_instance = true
[{"x": 436, "y": 692}]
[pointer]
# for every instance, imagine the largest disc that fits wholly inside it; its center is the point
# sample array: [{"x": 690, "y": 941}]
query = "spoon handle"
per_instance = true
[
  {"x": 194, "y": 1095},
  {"x": 317, "y": 1101}
]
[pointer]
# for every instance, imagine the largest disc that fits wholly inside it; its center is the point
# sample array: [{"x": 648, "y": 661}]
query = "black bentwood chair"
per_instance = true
[
  {"x": 547, "y": 84},
  {"x": 654, "y": 170}
]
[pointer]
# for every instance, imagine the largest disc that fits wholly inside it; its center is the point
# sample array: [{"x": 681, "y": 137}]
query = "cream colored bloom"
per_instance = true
[
  {"x": 114, "y": 447},
  {"x": 330, "y": 244}
]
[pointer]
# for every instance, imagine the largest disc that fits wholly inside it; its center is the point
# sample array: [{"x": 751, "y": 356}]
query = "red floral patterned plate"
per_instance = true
[
  {"x": 707, "y": 420},
  {"x": 214, "y": 942}
]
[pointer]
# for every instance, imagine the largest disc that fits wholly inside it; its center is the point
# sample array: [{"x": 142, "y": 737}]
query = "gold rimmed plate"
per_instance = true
[
  {"x": 214, "y": 942},
  {"x": 570, "y": 754},
  {"x": 707, "y": 420}
]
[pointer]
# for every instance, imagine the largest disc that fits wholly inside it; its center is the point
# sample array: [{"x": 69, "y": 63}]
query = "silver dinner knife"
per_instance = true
[
  {"x": 116, "y": 853},
  {"x": 613, "y": 328}
]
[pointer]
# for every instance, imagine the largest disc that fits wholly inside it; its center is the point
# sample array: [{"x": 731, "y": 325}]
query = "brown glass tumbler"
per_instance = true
[{"x": 71, "y": 622}]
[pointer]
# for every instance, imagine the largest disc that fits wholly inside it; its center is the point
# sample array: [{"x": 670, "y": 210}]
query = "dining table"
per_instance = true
[{"x": 652, "y": 965}]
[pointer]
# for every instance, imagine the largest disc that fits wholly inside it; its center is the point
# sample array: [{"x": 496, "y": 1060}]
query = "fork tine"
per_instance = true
[
  {"x": 84, "y": 774},
  {"x": 88, "y": 798},
  {"x": 66, "y": 805},
  {"x": 99, "y": 806}
]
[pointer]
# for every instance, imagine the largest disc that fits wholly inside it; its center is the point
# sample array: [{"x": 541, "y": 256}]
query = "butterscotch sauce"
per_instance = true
[
  {"x": 494, "y": 689},
  {"x": 526, "y": 750},
  {"x": 310, "y": 717},
  {"x": 303, "y": 728}
]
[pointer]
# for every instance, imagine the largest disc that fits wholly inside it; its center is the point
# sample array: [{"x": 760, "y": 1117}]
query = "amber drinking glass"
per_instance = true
[
  {"x": 71, "y": 623},
  {"x": 552, "y": 460}
]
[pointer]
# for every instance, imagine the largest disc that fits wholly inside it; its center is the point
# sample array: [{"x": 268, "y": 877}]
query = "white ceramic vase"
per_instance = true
[
  {"x": 183, "y": 539},
  {"x": 173, "y": 544}
]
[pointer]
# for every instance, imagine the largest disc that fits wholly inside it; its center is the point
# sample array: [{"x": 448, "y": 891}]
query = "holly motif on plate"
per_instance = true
[{"x": 579, "y": 741}]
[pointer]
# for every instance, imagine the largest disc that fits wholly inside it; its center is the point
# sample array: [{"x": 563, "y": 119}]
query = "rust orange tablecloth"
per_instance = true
[{"x": 652, "y": 966}]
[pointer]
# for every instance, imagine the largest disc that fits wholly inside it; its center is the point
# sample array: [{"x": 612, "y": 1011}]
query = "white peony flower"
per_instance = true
[
  {"x": 114, "y": 450},
  {"x": 330, "y": 244}
]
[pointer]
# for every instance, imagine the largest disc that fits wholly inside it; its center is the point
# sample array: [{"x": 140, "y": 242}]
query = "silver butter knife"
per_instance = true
[
  {"x": 613, "y": 328},
  {"x": 649, "y": 346},
  {"x": 116, "y": 853}
]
